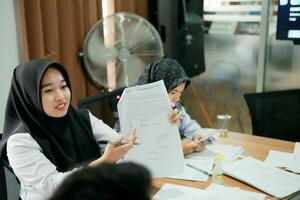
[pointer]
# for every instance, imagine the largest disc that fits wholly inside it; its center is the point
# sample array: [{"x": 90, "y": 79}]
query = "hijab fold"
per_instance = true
[{"x": 67, "y": 141}]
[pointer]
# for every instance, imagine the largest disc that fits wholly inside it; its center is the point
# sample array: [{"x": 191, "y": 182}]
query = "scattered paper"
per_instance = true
[
  {"x": 295, "y": 165},
  {"x": 193, "y": 174},
  {"x": 229, "y": 152},
  {"x": 236, "y": 192},
  {"x": 279, "y": 159},
  {"x": 273, "y": 181},
  {"x": 177, "y": 192},
  {"x": 213, "y": 192}
]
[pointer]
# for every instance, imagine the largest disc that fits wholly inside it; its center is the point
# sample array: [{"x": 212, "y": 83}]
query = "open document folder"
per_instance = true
[
  {"x": 273, "y": 181},
  {"x": 147, "y": 108}
]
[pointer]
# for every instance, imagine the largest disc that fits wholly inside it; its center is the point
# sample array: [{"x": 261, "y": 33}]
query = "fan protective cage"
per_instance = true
[{"x": 124, "y": 41}]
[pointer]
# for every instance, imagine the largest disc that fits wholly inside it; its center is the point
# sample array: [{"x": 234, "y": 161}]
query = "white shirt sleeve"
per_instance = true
[
  {"x": 101, "y": 130},
  {"x": 189, "y": 127},
  {"x": 38, "y": 176}
]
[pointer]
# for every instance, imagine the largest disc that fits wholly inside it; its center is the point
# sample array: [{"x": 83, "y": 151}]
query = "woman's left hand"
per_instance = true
[{"x": 174, "y": 116}]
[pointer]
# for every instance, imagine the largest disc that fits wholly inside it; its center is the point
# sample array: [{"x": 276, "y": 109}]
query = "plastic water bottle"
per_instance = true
[
  {"x": 218, "y": 171},
  {"x": 223, "y": 123}
]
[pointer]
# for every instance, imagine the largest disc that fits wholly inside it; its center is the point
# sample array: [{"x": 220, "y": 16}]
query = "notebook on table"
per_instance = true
[{"x": 270, "y": 180}]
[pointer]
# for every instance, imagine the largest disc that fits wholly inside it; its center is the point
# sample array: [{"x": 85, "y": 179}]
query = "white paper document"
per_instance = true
[
  {"x": 147, "y": 108},
  {"x": 206, "y": 153},
  {"x": 214, "y": 192},
  {"x": 289, "y": 161},
  {"x": 295, "y": 164},
  {"x": 229, "y": 152},
  {"x": 273, "y": 181},
  {"x": 279, "y": 159},
  {"x": 177, "y": 192},
  {"x": 191, "y": 173},
  {"x": 235, "y": 192}
]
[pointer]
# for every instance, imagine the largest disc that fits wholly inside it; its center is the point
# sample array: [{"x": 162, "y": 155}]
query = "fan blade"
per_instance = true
[
  {"x": 97, "y": 53},
  {"x": 129, "y": 71}
]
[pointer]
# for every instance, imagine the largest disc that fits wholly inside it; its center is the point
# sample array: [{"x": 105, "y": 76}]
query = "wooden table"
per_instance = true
[{"x": 255, "y": 146}]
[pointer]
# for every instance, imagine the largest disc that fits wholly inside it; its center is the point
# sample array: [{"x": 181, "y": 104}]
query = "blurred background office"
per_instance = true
[{"x": 228, "y": 48}]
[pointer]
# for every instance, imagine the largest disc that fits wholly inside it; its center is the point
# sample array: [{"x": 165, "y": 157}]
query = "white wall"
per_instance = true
[{"x": 9, "y": 57}]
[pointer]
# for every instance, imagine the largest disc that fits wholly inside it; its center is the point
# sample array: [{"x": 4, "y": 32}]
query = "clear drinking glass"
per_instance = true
[{"x": 223, "y": 124}]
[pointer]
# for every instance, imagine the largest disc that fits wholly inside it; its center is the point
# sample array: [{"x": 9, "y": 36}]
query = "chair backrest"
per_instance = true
[
  {"x": 9, "y": 183},
  {"x": 275, "y": 114},
  {"x": 3, "y": 189},
  {"x": 103, "y": 105}
]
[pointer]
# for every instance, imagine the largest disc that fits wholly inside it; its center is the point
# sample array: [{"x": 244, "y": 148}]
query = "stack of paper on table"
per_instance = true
[
  {"x": 213, "y": 192},
  {"x": 194, "y": 174},
  {"x": 177, "y": 192},
  {"x": 235, "y": 192},
  {"x": 229, "y": 152},
  {"x": 290, "y": 161},
  {"x": 273, "y": 181},
  {"x": 146, "y": 108}
]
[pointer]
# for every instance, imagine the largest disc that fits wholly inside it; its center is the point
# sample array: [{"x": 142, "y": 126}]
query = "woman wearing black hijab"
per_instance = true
[
  {"x": 176, "y": 80},
  {"x": 44, "y": 138}
]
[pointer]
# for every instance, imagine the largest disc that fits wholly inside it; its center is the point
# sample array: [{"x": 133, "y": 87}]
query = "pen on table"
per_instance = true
[
  {"x": 198, "y": 169},
  {"x": 115, "y": 143}
]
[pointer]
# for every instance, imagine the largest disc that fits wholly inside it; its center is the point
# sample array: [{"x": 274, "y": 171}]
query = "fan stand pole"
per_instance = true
[{"x": 108, "y": 8}]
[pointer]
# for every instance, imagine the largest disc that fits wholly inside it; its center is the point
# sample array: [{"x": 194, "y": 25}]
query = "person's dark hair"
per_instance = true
[{"x": 106, "y": 182}]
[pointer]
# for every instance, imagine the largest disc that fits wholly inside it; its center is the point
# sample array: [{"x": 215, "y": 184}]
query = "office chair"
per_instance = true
[
  {"x": 275, "y": 114},
  {"x": 3, "y": 189},
  {"x": 103, "y": 105},
  {"x": 13, "y": 181}
]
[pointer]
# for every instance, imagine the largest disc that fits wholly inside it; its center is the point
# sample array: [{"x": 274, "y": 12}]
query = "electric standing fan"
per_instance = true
[{"x": 120, "y": 46}]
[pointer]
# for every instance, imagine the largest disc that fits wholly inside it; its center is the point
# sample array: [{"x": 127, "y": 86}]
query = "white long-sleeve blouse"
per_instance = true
[{"x": 38, "y": 176}]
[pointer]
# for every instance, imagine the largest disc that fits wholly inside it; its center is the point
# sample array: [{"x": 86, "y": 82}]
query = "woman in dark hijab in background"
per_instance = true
[
  {"x": 176, "y": 80},
  {"x": 44, "y": 138}
]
